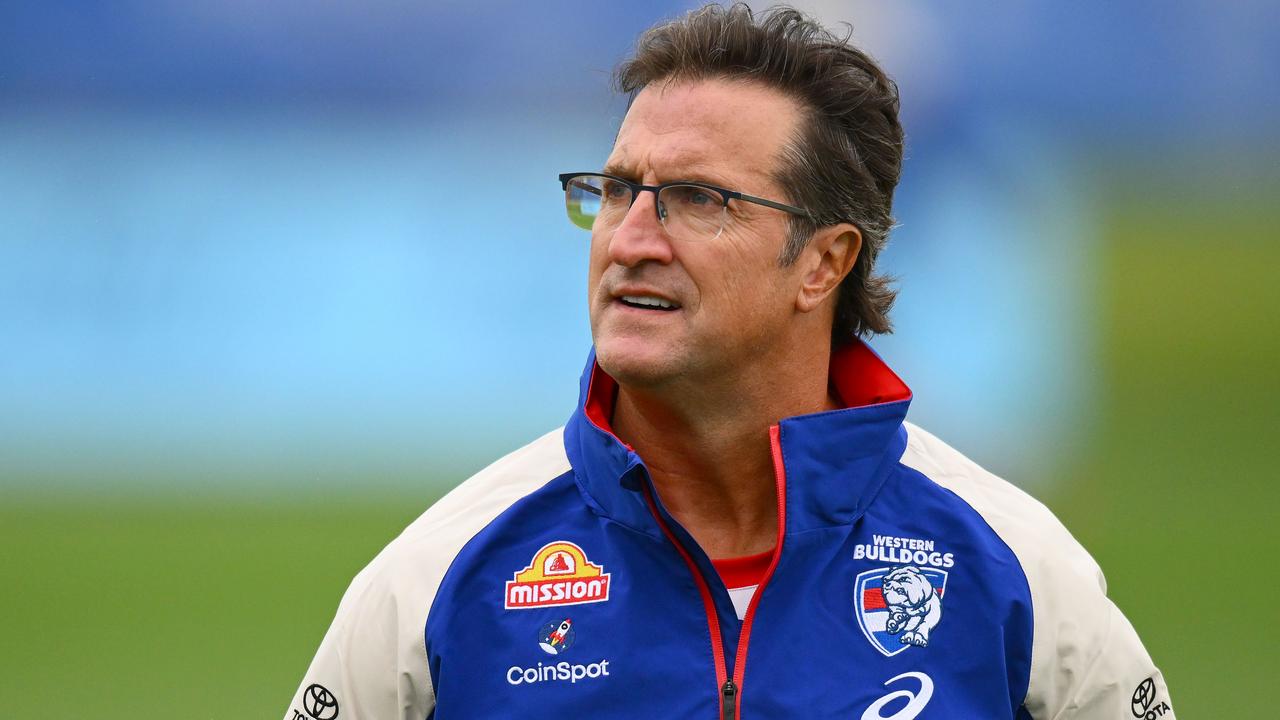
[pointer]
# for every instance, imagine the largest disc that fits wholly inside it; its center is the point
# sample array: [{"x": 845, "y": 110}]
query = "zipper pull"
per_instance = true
[{"x": 730, "y": 697}]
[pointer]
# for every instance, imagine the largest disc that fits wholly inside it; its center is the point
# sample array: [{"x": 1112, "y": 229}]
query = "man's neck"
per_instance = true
[{"x": 706, "y": 446}]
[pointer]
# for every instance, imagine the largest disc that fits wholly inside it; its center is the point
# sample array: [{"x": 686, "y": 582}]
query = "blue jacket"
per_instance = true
[{"x": 906, "y": 582}]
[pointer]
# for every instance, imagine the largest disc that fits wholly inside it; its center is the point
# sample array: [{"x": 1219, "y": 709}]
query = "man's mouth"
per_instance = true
[{"x": 648, "y": 302}]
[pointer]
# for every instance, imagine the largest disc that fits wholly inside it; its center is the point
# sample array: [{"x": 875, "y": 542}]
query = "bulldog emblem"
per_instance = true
[{"x": 898, "y": 608}]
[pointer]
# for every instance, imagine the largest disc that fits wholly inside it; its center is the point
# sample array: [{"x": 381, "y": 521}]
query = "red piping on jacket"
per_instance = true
[
  {"x": 780, "y": 478},
  {"x": 708, "y": 604}
]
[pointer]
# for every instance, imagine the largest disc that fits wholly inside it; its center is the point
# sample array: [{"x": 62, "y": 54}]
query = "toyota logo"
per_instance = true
[
  {"x": 320, "y": 703},
  {"x": 1143, "y": 697}
]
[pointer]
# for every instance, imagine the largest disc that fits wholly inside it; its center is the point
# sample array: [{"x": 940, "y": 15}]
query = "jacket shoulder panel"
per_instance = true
[
  {"x": 1084, "y": 653},
  {"x": 373, "y": 657}
]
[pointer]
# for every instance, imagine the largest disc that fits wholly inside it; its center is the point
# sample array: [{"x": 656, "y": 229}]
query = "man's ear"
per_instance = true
[{"x": 829, "y": 257}]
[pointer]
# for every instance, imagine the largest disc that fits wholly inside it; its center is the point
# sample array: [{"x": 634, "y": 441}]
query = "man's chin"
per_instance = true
[{"x": 637, "y": 363}]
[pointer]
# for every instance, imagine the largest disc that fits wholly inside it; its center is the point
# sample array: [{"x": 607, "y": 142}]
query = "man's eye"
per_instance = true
[
  {"x": 615, "y": 190},
  {"x": 701, "y": 197},
  {"x": 694, "y": 196}
]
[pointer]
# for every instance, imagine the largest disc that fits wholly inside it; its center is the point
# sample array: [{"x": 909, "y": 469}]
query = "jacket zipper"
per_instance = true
[
  {"x": 728, "y": 701},
  {"x": 730, "y": 688}
]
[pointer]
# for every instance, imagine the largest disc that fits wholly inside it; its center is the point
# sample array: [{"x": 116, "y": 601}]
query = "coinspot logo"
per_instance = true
[
  {"x": 555, "y": 638},
  {"x": 559, "y": 672}
]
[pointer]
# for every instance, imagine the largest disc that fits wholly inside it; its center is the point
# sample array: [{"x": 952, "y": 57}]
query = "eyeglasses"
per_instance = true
[{"x": 687, "y": 210}]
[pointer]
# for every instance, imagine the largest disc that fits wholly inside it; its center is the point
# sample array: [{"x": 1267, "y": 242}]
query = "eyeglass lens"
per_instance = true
[{"x": 688, "y": 212}]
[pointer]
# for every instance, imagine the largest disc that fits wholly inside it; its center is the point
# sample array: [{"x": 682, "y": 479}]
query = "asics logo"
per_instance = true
[{"x": 915, "y": 700}]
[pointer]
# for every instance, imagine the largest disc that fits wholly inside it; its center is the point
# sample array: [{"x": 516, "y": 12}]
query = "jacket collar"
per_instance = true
[{"x": 835, "y": 461}]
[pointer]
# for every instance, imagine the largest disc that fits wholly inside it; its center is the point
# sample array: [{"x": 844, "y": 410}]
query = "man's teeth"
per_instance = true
[{"x": 648, "y": 301}]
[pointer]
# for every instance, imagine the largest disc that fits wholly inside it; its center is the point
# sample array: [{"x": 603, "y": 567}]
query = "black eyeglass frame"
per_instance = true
[{"x": 725, "y": 193}]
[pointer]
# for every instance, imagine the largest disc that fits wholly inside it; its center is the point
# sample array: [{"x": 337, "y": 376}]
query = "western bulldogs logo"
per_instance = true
[{"x": 898, "y": 608}]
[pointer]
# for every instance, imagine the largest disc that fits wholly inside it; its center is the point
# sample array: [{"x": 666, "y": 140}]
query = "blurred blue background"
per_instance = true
[
  {"x": 315, "y": 253},
  {"x": 325, "y": 239}
]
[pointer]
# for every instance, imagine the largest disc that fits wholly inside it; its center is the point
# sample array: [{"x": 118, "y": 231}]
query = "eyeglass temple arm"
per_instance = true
[{"x": 775, "y": 205}]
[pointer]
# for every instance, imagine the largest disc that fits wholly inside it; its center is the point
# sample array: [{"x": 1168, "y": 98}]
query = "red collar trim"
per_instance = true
[
  {"x": 602, "y": 395},
  {"x": 860, "y": 378},
  {"x": 743, "y": 571}
]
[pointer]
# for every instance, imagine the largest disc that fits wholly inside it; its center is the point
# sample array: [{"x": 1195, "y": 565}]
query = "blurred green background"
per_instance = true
[{"x": 259, "y": 306}]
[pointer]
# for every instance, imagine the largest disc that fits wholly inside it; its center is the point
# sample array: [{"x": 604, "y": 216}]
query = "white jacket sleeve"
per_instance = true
[
  {"x": 1087, "y": 662},
  {"x": 372, "y": 663}
]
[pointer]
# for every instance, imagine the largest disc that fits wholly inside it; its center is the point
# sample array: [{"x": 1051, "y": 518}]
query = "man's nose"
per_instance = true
[{"x": 640, "y": 236}]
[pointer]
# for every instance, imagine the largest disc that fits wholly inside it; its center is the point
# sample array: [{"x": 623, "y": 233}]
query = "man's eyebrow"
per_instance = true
[
  {"x": 617, "y": 169},
  {"x": 708, "y": 178},
  {"x": 698, "y": 176}
]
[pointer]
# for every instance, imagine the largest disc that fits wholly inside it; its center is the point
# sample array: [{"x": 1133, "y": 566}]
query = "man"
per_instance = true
[{"x": 736, "y": 521}]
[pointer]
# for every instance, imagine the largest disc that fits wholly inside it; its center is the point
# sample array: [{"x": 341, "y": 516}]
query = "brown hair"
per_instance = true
[{"x": 846, "y": 158}]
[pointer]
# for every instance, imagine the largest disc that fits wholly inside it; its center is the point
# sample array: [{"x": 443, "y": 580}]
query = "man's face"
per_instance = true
[{"x": 734, "y": 301}]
